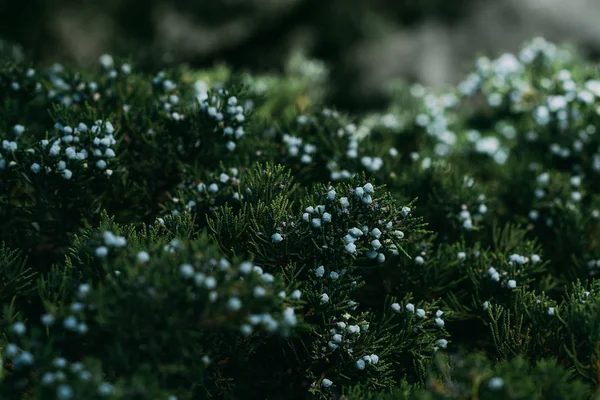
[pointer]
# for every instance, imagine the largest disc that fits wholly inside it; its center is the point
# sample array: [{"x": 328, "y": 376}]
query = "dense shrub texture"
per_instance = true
[{"x": 204, "y": 234}]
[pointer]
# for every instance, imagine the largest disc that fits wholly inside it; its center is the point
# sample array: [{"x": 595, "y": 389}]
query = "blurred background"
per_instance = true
[{"x": 365, "y": 43}]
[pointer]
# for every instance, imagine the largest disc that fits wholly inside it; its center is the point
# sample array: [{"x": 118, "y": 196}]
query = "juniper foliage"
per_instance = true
[{"x": 208, "y": 234}]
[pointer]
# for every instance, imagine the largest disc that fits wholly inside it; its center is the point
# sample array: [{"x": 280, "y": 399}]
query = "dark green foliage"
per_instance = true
[{"x": 202, "y": 234}]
